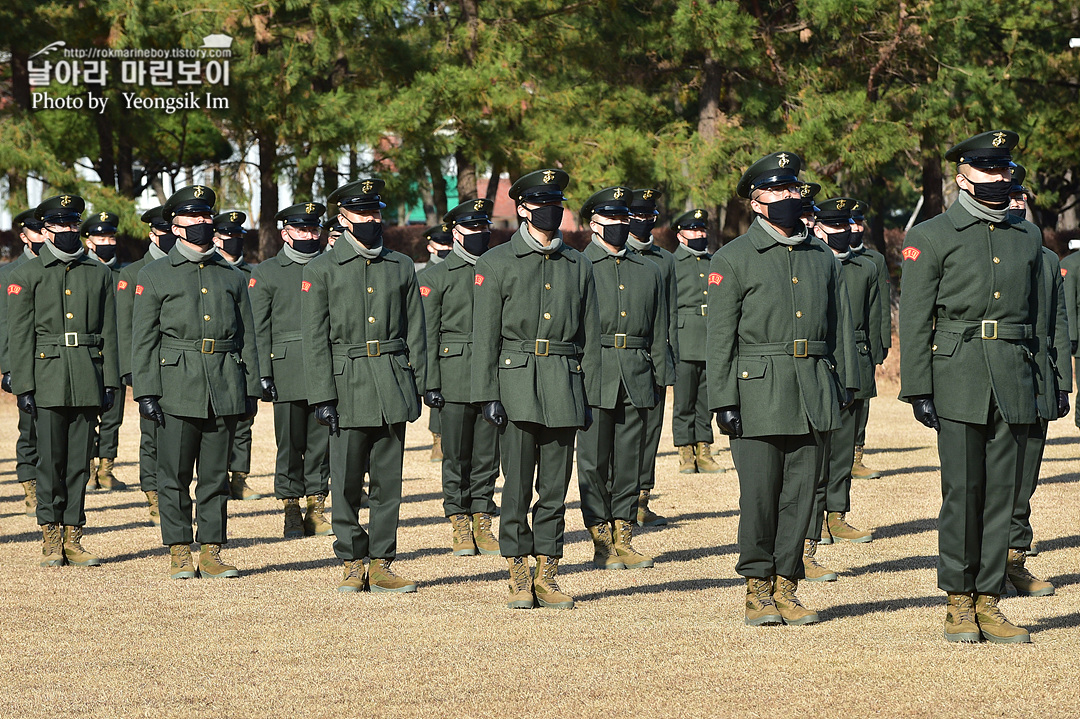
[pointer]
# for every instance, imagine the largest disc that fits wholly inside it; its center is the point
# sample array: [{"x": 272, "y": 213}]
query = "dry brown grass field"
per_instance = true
[{"x": 123, "y": 640}]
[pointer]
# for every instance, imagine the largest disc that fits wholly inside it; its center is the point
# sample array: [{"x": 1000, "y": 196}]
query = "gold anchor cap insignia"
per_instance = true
[
  {"x": 366, "y": 186},
  {"x": 549, "y": 175},
  {"x": 999, "y": 139},
  {"x": 618, "y": 193},
  {"x": 647, "y": 195},
  {"x": 697, "y": 214},
  {"x": 103, "y": 216},
  {"x": 804, "y": 190},
  {"x": 841, "y": 204},
  {"x": 65, "y": 200},
  {"x": 198, "y": 191},
  {"x": 782, "y": 160},
  {"x": 309, "y": 207},
  {"x": 232, "y": 216},
  {"x": 478, "y": 205}
]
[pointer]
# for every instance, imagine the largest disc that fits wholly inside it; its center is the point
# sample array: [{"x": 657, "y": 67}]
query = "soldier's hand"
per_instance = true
[
  {"x": 326, "y": 415},
  {"x": 269, "y": 390},
  {"x": 495, "y": 414},
  {"x": 1073, "y": 347},
  {"x": 588, "y": 418},
  {"x": 433, "y": 398},
  {"x": 847, "y": 398},
  {"x": 108, "y": 400},
  {"x": 5, "y": 382},
  {"x": 1063, "y": 403},
  {"x": 151, "y": 410},
  {"x": 251, "y": 407},
  {"x": 730, "y": 421},
  {"x": 925, "y": 412},
  {"x": 126, "y": 379},
  {"x": 26, "y": 403}
]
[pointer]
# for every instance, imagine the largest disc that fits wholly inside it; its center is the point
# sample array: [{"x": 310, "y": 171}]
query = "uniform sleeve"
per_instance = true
[
  {"x": 4, "y": 320},
  {"x": 125, "y": 305},
  {"x": 315, "y": 323},
  {"x": 432, "y": 293},
  {"x": 146, "y": 338},
  {"x": 22, "y": 342},
  {"x": 876, "y": 345},
  {"x": 663, "y": 370},
  {"x": 591, "y": 362},
  {"x": 843, "y": 336},
  {"x": 262, "y": 301},
  {"x": 725, "y": 311},
  {"x": 918, "y": 297},
  {"x": 673, "y": 318},
  {"x": 111, "y": 369},
  {"x": 1070, "y": 303},
  {"x": 1061, "y": 349},
  {"x": 249, "y": 352},
  {"x": 487, "y": 332},
  {"x": 885, "y": 303},
  {"x": 417, "y": 333}
]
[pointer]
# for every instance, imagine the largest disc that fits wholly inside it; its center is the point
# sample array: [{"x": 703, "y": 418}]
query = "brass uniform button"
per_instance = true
[
  {"x": 42, "y": 355},
  {"x": 794, "y": 280},
  {"x": 206, "y": 318},
  {"x": 370, "y": 290},
  {"x": 201, "y": 265},
  {"x": 271, "y": 355},
  {"x": 997, "y": 295},
  {"x": 69, "y": 316},
  {"x": 162, "y": 359},
  {"x": 996, "y": 260},
  {"x": 704, "y": 292},
  {"x": 933, "y": 348},
  {"x": 67, "y": 292},
  {"x": 445, "y": 350},
  {"x": 745, "y": 374},
  {"x": 368, "y": 262},
  {"x": 623, "y": 313},
  {"x": 991, "y": 226},
  {"x": 701, "y": 274},
  {"x": 622, "y": 287},
  {"x": 547, "y": 315},
  {"x": 371, "y": 320},
  {"x": 507, "y": 360},
  {"x": 547, "y": 285},
  {"x": 798, "y": 313},
  {"x": 204, "y": 290}
]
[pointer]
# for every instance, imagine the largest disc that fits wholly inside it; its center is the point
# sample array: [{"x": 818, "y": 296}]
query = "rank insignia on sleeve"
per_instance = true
[
  {"x": 138, "y": 289},
  {"x": 14, "y": 289},
  {"x": 911, "y": 253},
  {"x": 305, "y": 286},
  {"x": 479, "y": 280},
  {"x": 715, "y": 278},
  {"x": 425, "y": 291},
  {"x": 121, "y": 285}
]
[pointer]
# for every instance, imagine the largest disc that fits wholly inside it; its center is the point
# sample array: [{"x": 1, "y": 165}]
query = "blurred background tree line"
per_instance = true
[{"x": 453, "y": 100}]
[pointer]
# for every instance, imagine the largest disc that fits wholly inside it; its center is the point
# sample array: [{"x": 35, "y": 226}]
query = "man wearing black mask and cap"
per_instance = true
[
  {"x": 302, "y": 468},
  {"x": 62, "y": 350},
  {"x": 691, "y": 422},
  {"x": 807, "y": 192},
  {"x": 968, "y": 308},
  {"x": 779, "y": 376},
  {"x": 634, "y": 365},
  {"x": 470, "y": 447},
  {"x": 439, "y": 243}
]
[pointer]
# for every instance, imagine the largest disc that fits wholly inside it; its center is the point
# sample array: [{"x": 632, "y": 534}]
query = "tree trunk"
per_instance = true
[
  {"x": 933, "y": 200},
  {"x": 438, "y": 187},
  {"x": 466, "y": 177},
  {"x": 330, "y": 175},
  {"x": 737, "y": 219},
  {"x": 125, "y": 170},
  {"x": 106, "y": 162},
  {"x": 20, "y": 78},
  {"x": 494, "y": 179},
  {"x": 269, "y": 238},
  {"x": 305, "y": 178},
  {"x": 708, "y": 131}
]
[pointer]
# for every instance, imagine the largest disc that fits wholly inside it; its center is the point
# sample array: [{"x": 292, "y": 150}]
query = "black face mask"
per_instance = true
[
  {"x": 785, "y": 214},
  {"x": 367, "y": 234},
  {"x": 165, "y": 242},
  {"x": 642, "y": 228},
  {"x": 105, "y": 252},
  {"x": 66, "y": 241},
  {"x": 615, "y": 235},
  {"x": 201, "y": 235},
  {"x": 698, "y": 244},
  {"x": 476, "y": 243},
  {"x": 1017, "y": 213},
  {"x": 856, "y": 237},
  {"x": 546, "y": 218},
  {"x": 306, "y": 247},
  {"x": 234, "y": 246},
  {"x": 35, "y": 247},
  {"x": 995, "y": 194},
  {"x": 442, "y": 254},
  {"x": 839, "y": 241}
]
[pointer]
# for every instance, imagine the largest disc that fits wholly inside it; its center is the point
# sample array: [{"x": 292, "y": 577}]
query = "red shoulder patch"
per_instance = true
[
  {"x": 425, "y": 291},
  {"x": 138, "y": 289},
  {"x": 14, "y": 289},
  {"x": 121, "y": 285},
  {"x": 715, "y": 278},
  {"x": 251, "y": 282},
  {"x": 1064, "y": 272},
  {"x": 479, "y": 280},
  {"x": 911, "y": 253},
  {"x": 305, "y": 286}
]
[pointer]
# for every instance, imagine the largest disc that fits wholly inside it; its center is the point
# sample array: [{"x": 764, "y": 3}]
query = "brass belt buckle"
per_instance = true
[
  {"x": 993, "y": 325},
  {"x": 377, "y": 348},
  {"x": 203, "y": 347},
  {"x": 623, "y": 345},
  {"x": 546, "y": 344},
  {"x": 805, "y": 349},
  {"x": 71, "y": 339},
  {"x": 704, "y": 310}
]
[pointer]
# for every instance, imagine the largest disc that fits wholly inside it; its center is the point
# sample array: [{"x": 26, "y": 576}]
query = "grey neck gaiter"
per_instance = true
[
  {"x": 980, "y": 211},
  {"x": 535, "y": 245},
  {"x": 796, "y": 239}
]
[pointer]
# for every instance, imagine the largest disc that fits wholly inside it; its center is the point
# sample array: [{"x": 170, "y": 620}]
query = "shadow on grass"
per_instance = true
[
  {"x": 905, "y": 564},
  {"x": 683, "y": 585},
  {"x": 922, "y": 469},
  {"x": 689, "y": 555},
  {"x": 1064, "y": 580},
  {"x": 902, "y": 529},
  {"x": 305, "y": 565},
  {"x": 894, "y": 450},
  {"x": 1063, "y": 440},
  {"x": 896, "y": 604},
  {"x": 1069, "y": 478},
  {"x": 1049, "y": 545},
  {"x": 92, "y": 532},
  {"x": 1064, "y": 621}
]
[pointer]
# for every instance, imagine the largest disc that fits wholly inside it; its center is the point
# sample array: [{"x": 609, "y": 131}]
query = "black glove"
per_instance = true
[
  {"x": 149, "y": 408},
  {"x": 588, "y": 418},
  {"x": 326, "y": 415},
  {"x": 126, "y": 379},
  {"x": 925, "y": 412},
  {"x": 251, "y": 407},
  {"x": 108, "y": 400},
  {"x": 1073, "y": 347},
  {"x": 433, "y": 398},
  {"x": 884, "y": 353},
  {"x": 5, "y": 382},
  {"x": 26, "y": 403},
  {"x": 847, "y": 398},
  {"x": 495, "y": 413},
  {"x": 1063, "y": 403},
  {"x": 657, "y": 394},
  {"x": 269, "y": 391},
  {"x": 730, "y": 421}
]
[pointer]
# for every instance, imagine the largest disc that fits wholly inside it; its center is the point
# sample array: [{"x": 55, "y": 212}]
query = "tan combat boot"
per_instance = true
[
  {"x": 645, "y": 516},
  {"x": 211, "y": 566},
  {"x": 461, "y": 538},
  {"x": 315, "y": 523},
  {"x": 789, "y": 606},
  {"x": 354, "y": 577},
  {"x": 1033, "y": 550},
  {"x": 840, "y": 529},
  {"x": 960, "y": 625},
  {"x": 106, "y": 479},
  {"x": 815, "y": 572},
  {"x": 92, "y": 480},
  {"x": 1025, "y": 583},
  {"x": 152, "y": 503},
  {"x": 436, "y": 447},
  {"x": 521, "y": 592},
  {"x": 760, "y": 607},
  {"x": 604, "y": 554},
  {"x": 633, "y": 559},
  {"x": 381, "y": 578},
  {"x": 705, "y": 462},
  {"x": 686, "y": 460},
  {"x": 52, "y": 546},
  {"x": 294, "y": 519},
  {"x": 485, "y": 539},
  {"x": 74, "y": 552},
  {"x": 30, "y": 488},
  {"x": 860, "y": 470},
  {"x": 545, "y": 586},
  {"x": 239, "y": 489},
  {"x": 993, "y": 625},
  {"x": 181, "y": 565}
]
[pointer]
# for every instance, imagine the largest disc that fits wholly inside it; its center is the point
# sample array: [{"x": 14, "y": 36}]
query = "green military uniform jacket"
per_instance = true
[
  {"x": 633, "y": 325},
  {"x": 62, "y": 330},
  {"x": 691, "y": 282},
  {"x": 665, "y": 262},
  {"x": 447, "y": 289},
  {"x": 957, "y": 272},
  {"x": 882, "y": 314},
  {"x": 353, "y": 311},
  {"x": 275, "y": 290},
  {"x": 536, "y": 333},
  {"x": 125, "y": 307},
  {"x": 1070, "y": 273},
  {"x": 778, "y": 340},
  {"x": 5, "y": 275},
  {"x": 861, "y": 281},
  {"x": 193, "y": 337},
  {"x": 1052, "y": 334}
]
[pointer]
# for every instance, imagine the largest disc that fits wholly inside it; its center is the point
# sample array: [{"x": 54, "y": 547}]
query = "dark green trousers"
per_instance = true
[
  {"x": 470, "y": 463},
  {"x": 609, "y": 461},
  {"x": 1020, "y": 533},
  {"x": 981, "y": 467},
  {"x": 147, "y": 455},
  {"x": 107, "y": 437},
  {"x": 240, "y": 454},
  {"x": 654, "y": 426},
  {"x": 833, "y": 492},
  {"x": 777, "y": 477},
  {"x": 302, "y": 447},
  {"x": 26, "y": 453},
  {"x": 860, "y": 429},
  {"x": 65, "y": 439},
  {"x": 183, "y": 443},
  {"x": 354, "y": 450},
  {"x": 544, "y": 456},
  {"x": 691, "y": 421},
  {"x": 435, "y": 420}
]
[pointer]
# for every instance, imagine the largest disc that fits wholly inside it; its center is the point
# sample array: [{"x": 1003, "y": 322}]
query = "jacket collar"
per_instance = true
[
  {"x": 344, "y": 252},
  {"x": 521, "y": 247},
  {"x": 49, "y": 258},
  {"x": 454, "y": 261},
  {"x": 599, "y": 254},
  {"x": 681, "y": 253},
  {"x": 176, "y": 258}
]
